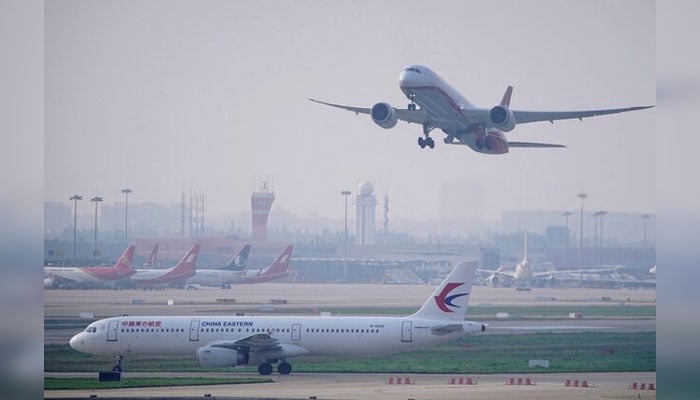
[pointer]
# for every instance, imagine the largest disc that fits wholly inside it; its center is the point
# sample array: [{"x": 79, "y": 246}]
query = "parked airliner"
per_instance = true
[
  {"x": 220, "y": 341},
  {"x": 436, "y": 104},
  {"x": 223, "y": 277},
  {"x": 90, "y": 277},
  {"x": 167, "y": 277}
]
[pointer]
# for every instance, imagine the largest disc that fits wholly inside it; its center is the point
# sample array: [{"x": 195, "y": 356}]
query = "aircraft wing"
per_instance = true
[
  {"x": 540, "y": 145},
  {"x": 523, "y": 117},
  {"x": 254, "y": 343},
  {"x": 414, "y": 116}
]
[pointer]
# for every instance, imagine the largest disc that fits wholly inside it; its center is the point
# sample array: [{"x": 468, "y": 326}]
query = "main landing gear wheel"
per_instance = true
[
  {"x": 426, "y": 142},
  {"x": 412, "y": 106},
  {"x": 284, "y": 368},
  {"x": 265, "y": 368}
]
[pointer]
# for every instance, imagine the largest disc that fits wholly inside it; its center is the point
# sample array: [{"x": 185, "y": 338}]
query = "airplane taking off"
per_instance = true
[
  {"x": 222, "y": 341},
  {"x": 441, "y": 106},
  {"x": 171, "y": 276},
  {"x": 90, "y": 277}
]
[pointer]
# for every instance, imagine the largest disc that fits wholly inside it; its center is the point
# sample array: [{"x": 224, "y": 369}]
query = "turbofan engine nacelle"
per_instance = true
[
  {"x": 210, "y": 356},
  {"x": 384, "y": 115},
  {"x": 502, "y": 118},
  {"x": 493, "y": 280}
]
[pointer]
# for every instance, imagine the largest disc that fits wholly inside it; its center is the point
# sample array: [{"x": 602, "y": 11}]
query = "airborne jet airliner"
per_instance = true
[
  {"x": 435, "y": 104},
  {"x": 220, "y": 341}
]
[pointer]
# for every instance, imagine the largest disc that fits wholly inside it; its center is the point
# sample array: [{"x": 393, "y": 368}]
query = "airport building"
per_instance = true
[
  {"x": 260, "y": 203},
  {"x": 366, "y": 203}
]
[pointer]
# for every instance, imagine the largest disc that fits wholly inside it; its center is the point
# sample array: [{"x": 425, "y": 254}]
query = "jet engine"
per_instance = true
[
  {"x": 211, "y": 356},
  {"x": 501, "y": 117},
  {"x": 384, "y": 115},
  {"x": 493, "y": 280}
]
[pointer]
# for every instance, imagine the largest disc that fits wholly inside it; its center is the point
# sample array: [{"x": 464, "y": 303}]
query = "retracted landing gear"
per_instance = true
[{"x": 427, "y": 141}]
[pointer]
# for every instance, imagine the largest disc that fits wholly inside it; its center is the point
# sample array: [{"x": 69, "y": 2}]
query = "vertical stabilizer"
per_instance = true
[
  {"x": 240, "y": 260},
  {"x": 152, "y": 259},
  {"x": 505, "y": 101},
  {"x": 123, "y": 265},
  {"x": 186, "y": 266},
  {"x": 450, "y": 298},
  {"x": 281, "y": 264}
]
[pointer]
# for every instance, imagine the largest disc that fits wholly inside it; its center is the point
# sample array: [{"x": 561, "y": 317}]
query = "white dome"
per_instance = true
[{"x": 366, "y": 188}]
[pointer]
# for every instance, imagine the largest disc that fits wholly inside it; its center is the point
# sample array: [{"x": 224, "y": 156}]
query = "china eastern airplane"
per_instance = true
[
  {"x": 90, "y": 277},
  {"x": 222, "y": 341},
  {"x": 436, "y": 104},
  {"x": 175, "y": 275}
]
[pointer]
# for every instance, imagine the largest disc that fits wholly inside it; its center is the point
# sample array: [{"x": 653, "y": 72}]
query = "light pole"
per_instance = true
[
  {"x": 566, "y": 215},
  {"x": 345, "y": 193},
  {"x": 126, "y": 213},
  {"x": 75, "y": 199},
  {"x": 595, "y": 216},
  {"x": 600, "y": 248},
  {"x": 96, "y": 199},
  {"x": 581, "y": 196}
]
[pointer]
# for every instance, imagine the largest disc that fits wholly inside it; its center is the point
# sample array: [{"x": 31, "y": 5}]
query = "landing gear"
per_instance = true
[
  {"x": 118, "y": 366},
  {"x": 265, "y": 368},
  {"x": 284, "y": 368},
  {"x": 411, "y": 106},
  {"x": 427, "y": 141}
]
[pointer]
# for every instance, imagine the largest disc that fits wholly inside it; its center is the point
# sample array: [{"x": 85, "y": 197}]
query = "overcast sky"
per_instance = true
[{"x": 165, "y": 96}]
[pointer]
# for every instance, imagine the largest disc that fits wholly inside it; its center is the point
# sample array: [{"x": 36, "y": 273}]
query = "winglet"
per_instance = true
[{"x": 505, "y": 101}]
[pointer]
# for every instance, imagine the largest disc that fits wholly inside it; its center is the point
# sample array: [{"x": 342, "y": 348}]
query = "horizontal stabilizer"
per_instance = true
[{"x": 539, "y": 145}]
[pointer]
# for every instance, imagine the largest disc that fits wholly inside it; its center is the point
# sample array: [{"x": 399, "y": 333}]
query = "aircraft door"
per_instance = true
[
  {"x": 194, "y": 331},
  {"x": 296, "y": 332},
  {"x": 112, "y": 331},
  {"x": 407, "y": 331}
]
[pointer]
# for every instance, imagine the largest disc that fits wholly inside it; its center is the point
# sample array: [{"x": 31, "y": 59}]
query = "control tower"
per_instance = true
[
  {"x": 260, "y": 203},
  {"x": 366, "y": 203}
]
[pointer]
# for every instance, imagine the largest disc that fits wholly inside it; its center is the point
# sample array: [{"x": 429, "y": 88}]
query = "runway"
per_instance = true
[
  {"x": 316, "y": 298},
  {"x": 374, "y": 387}
]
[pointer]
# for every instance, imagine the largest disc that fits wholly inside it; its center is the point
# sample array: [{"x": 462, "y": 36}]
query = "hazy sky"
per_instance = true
[{"x": 162, "y": 96}]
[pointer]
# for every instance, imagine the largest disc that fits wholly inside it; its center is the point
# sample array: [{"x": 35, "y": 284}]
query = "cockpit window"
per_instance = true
[
  {"x": 413, "y": 69},
  {"x": 91, "y": 329}
]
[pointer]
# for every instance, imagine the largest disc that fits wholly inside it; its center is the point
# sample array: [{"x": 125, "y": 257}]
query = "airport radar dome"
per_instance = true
[{"x": 366, "y": 188}]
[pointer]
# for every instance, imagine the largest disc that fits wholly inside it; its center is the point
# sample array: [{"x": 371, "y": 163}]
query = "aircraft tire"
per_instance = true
[
  {"x": 265, "y": 368},
  {"x": 430, "y": 143},
  {"x": 117, "y": 368},
  {"x": 284, "y": 368},
  {"x": 421, "y": 142}
]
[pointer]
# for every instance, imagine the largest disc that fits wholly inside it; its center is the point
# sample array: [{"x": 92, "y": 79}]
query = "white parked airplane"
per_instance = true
[
  {"x": 441, "y": 106},
  {"x": 223, "y": 277},
  {"x": 90, "y": 277},
  {"x": 175, "y": 275},
  {"x": 219, "y": 341}
]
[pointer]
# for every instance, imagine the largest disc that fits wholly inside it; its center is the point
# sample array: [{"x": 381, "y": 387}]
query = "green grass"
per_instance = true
[
  {"x": 92, "y": 383},
  {"x": 490, "y": 353}
]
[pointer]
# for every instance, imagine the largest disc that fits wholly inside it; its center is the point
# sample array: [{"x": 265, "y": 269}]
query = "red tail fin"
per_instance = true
[
  {"x": 187, "y": 263},
  {"x": 123, "y": 265},
  {"x": 505, "y": 101},
  {"x": 281, "y": 264}
]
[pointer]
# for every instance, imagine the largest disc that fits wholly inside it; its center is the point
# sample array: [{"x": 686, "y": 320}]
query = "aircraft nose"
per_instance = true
[{"x": 76, "y": 342}]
